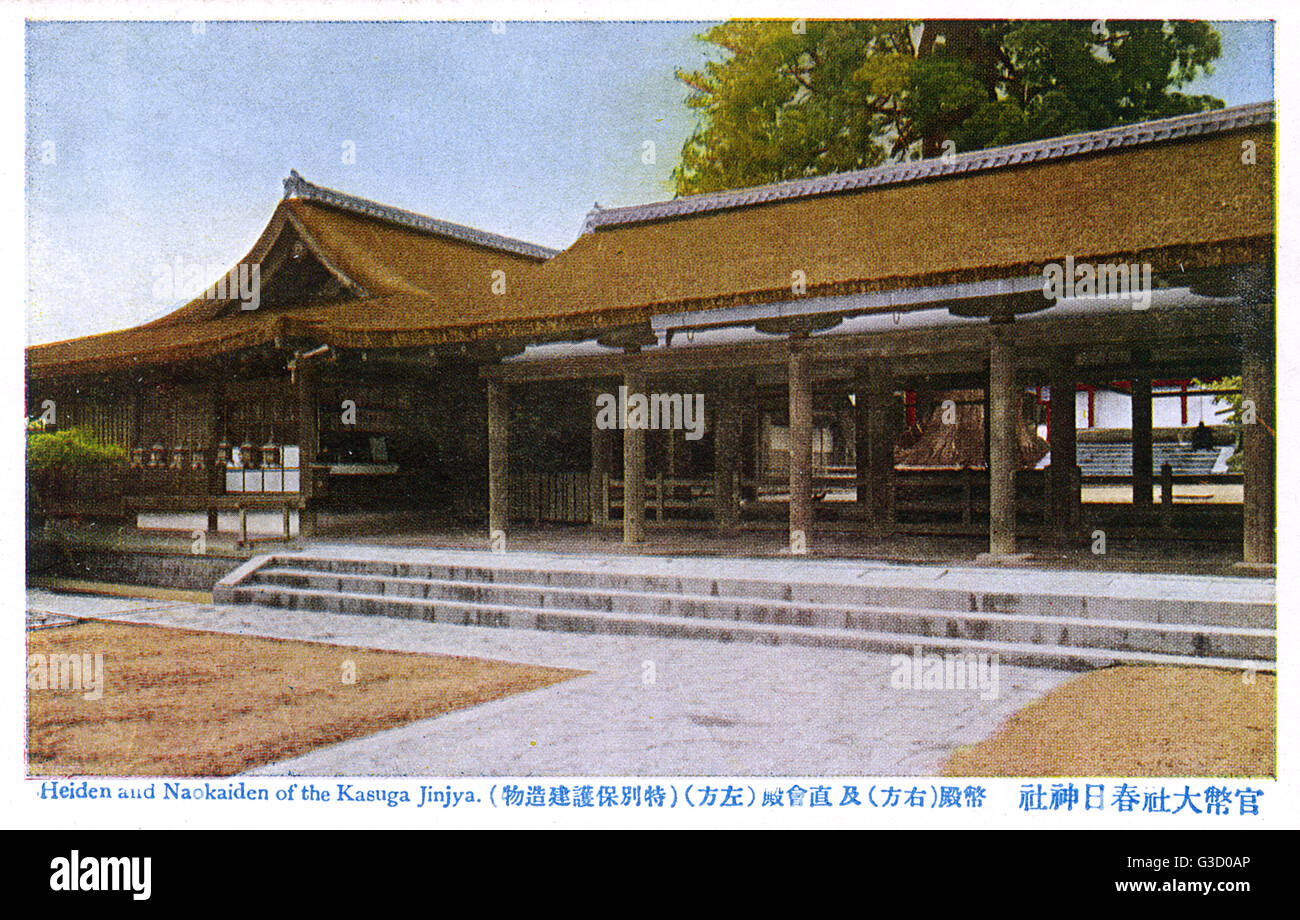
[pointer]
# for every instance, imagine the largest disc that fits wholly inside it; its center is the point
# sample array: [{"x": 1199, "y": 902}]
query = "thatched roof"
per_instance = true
[
  {"x": 1173, "y": 193},
  {"x": 957, "y": 444},
  {"x": 380, "y": 283}
]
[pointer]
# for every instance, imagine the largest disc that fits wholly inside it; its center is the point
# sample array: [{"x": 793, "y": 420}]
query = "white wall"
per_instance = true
[
  {"x": 1115, "y": 410},
  {"x": 260, "y": 523}
]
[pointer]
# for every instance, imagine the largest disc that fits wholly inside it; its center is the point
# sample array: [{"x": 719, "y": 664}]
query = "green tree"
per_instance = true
[
  {"x": 784, "y": 100},
  {"x": 1231, "y": 415},
  {"x": 69, "y": 448}
]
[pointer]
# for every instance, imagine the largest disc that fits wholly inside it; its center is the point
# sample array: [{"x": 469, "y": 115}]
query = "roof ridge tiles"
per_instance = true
[
  {"x": 295, "y": 186},
  {"x": 1136, "y": 134}
]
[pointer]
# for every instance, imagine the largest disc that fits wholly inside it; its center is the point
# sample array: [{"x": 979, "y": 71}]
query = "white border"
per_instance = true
[{"x": 1281, "y": 804}]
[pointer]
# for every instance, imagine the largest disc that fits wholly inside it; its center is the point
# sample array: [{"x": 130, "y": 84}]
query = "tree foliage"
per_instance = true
[
  {"x": 1231, "y": 415},
  {"x": 786, "y": 99},
  {"x": 69, "y": 448}
]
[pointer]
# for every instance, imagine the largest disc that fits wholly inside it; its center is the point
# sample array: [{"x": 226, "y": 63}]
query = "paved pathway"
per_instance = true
[{"x": 651, "y": 706}]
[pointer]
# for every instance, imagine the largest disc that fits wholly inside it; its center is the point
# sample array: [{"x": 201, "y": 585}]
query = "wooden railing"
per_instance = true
[
  {"x": 116, "y": 490},
  {"x": 567, "y": 497},
  {"x": 668, "y": 497},
  {"x": 946, "y": 498},
  {"x": 164, "y": 481},
  {"x": 1123, "y": 479},
  {"x": 959, "y": 497},
  {"x": 90, "y": 490},
  {"x": 563, "y": 498}
]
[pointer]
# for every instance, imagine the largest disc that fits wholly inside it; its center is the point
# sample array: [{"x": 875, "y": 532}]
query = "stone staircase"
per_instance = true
[
  {"x": 1101, "y": 458},
  {"x": 1058, "y": 629}
]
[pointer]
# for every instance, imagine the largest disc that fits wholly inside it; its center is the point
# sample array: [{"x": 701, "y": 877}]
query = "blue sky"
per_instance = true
[{"x": 157, "y": 142}]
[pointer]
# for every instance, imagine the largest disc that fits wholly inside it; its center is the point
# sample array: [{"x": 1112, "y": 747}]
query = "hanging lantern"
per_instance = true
[
  {"x": 248, "y": 454},
  {"x": 178, "y": 458},
  {"x": 223, "y": 453},
  {"x": 156, "y": 455},
  {"x": 137, "y": 458},
  {"x": 198, "y": 459},
  {"x": 270, "y": 453}
]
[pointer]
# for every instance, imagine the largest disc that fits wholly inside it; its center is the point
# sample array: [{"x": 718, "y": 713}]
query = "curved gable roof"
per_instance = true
[{"x": 391, "y": 275}]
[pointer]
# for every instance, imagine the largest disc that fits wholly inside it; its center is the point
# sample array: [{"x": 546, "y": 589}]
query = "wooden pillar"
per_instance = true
[
  {"x": 498, "y": 421},
  {"x": 137, "y": 414},
  {"x": 216, "y": 426},
  {"x": 876, "y": 427},
  {"x": 1063, "y": 511},
  {"x": 1004, "y": 453},
  {"x": 216, "y": 433},
  {"x": 726, "y": 440},
  {"x": 862, "y": 439},
  {"x": 1166, "y": 496},
  {"x": 308, "y": 444},
  {"x": 1144, "y": 458},
  {"x": 801, "y": 425},
  {"x": 599, "y": 461},
  {"x": 1258, "y": 446},
  {"x": 633, "y": 463},
  {"x": 988, "y": 415},
  {"x": 1143, "y": 452}
]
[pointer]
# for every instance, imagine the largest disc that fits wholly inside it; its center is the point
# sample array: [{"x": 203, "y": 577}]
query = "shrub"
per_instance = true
[{"x": 70, "y": 448}]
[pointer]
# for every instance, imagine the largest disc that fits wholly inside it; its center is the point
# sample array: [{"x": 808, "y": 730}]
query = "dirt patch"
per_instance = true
[
  {"x": 1137, "y": 721},
  {"x": 186, "y": 703}
]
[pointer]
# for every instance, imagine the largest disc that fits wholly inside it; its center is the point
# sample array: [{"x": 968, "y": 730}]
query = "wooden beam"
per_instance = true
[{"x": 1145, "y": 328}]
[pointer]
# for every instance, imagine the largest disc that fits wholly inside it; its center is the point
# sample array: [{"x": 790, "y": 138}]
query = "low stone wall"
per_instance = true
[{"x": 155, "y": 568}]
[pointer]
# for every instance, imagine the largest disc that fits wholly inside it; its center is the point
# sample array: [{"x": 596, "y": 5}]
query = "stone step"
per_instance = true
[
  {"x": 1140, "y": 635},
  {"x": 1064, "y": 603},
  {"x": 358, "y": 594},
  {"x": 474, "y": 613},
  {"x": 878, "y": 613}
]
